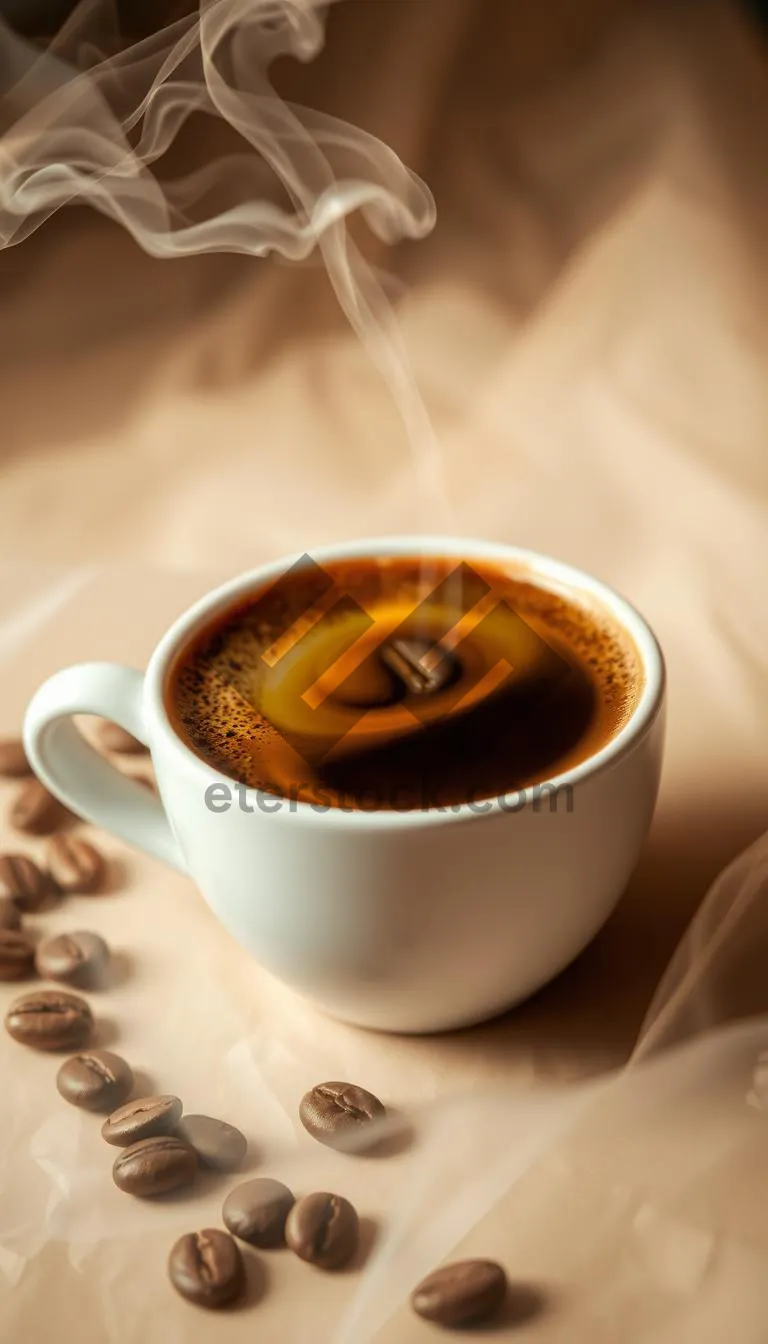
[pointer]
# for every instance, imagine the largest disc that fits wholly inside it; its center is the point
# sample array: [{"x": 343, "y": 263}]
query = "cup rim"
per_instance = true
[{"x": 556, "y": 575}]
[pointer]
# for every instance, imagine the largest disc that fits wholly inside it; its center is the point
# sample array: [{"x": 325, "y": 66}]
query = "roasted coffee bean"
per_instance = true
[
  {"x": 155, "y": 1166},
  {"x": 13, "y": 759},
  {"x": 217, "y": 1144},
  {"x": 207, "y": 1267},
  {"x": 50, "y": 1019},
  {"x": 323, "y": 1229},
  {"x": 95, "y": 1080},
  {"x": 17, "y": 955},
  {"x": 256, "y": 1211},
  {"x": 75, "y": 866},
  {"x": 73, "y": 958},
  {"x": 23, "y": 881},
  {"x": 10, "y": 914},
  {"x": 469, "y": 1292},
  {"x": 114, "y": 738},
  {"x": 422, "y": 667},
  {"x": 337, "y": 1114},
  {"x": 142, "y": 1119},
  {"x": 36, "y": 812}
]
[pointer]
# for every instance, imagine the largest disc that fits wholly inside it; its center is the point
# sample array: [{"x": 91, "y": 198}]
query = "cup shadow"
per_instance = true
[{"x": 586, "y": 1021}]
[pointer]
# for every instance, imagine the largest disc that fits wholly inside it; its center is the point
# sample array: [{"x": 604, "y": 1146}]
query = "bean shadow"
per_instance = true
[
  {"x": 256, "y": 1279},
  {"x": 144, "y": 1084},
  {"x": 368, "y": 1235},
  {"x": 117, "y": 973},
  {"x": 523, "y": 1304},
  {"x": 398, "y": 1136},
  {"x": 105, "y": 1033},
  {"x": 114, "y": 878}
]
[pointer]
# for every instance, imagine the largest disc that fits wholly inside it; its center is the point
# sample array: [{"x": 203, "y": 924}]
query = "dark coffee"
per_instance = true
[{"x": 402, "y": 683}]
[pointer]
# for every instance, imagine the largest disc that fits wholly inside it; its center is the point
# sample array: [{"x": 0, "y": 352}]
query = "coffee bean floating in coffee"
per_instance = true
[
  {"x": 10, "y": 914},
  {"x": 338, "y": 1114},
  {"x": 95, "y": 1080},
  {"x": 75, "y": 866},
  {"x": 256, "y": 1211},
  {"x": 421, "y": 667},
  {"x": 323, "y": 1229},
  {"x": 114, "y": 738},
  {"x": 50, "y": 1019},
  {"x": 17, "y": 955},
  {"x": 217, "y": 1144},
  {"x": 142, "y": 1119},
  {"x": 36, "y": 812},
  {"x": 13, "y": 759},
  {"x": 469, "y": 1292},
  {"x": 207, "y": 1267},
  {"x": 73, "y": 958},
  {"x": 22, "y": 881},
  {"x": 154, "y": 1166}
]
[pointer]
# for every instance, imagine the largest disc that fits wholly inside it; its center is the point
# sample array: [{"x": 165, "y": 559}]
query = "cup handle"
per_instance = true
[{"x": 87, "y": 783}]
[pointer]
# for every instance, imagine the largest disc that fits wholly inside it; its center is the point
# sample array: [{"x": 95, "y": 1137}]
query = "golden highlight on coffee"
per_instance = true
[{"x": 402, "y": 683}]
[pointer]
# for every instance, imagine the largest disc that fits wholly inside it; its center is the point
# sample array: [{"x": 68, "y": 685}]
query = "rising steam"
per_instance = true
[{"x": 94, "y": 117}]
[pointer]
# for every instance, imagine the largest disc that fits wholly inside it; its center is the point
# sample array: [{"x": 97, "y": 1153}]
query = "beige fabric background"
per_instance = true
[{"x": 587, "y": 325}]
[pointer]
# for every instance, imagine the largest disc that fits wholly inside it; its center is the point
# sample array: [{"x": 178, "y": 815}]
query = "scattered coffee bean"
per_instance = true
[
  {"x": 13, "y": 759},
  {"x": 207, "y": 1267},
  {"x": 73, "y": 958},
  {"x": 256, "y": 1211},
  {"x": 155, "y": 1166},
  {"x": 75, "y": 866},
  {"x": 36, "y": 812},
  {"x": 217, "y": 1144},
  {"x": 23, "y": 881},
  {"x": 95, "y": 1080},
  {"x": 10, "y": 914},
  {"x": 50, "y": 1019},
  {"x": 323, "y": 1229},
  {"x": 469, "y": 1292},
  {"x": 142, "y": 1119},
  {"x": 114, "y": 738},
  {"x": 17, "y": 955},
  {"x": 337, "y": 1113}
]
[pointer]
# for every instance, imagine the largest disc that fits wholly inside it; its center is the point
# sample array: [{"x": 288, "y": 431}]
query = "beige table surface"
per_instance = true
[{"x": 587, "y": 324}]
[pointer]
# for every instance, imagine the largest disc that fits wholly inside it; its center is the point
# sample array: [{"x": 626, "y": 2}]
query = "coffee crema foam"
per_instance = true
[{"x": 285, "y": 691}]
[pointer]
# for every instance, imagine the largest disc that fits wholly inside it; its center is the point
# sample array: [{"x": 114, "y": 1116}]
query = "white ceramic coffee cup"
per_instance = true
[{"x": 414, "y": 921}]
